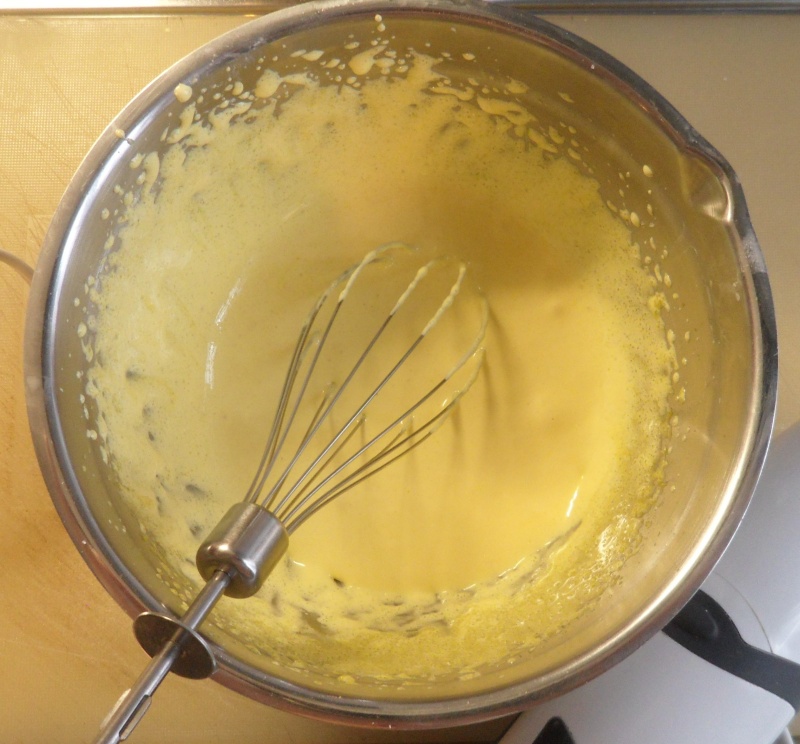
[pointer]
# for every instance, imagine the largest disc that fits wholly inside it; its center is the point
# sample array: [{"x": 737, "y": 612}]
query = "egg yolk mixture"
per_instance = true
[{"x": 517, "y": 513}]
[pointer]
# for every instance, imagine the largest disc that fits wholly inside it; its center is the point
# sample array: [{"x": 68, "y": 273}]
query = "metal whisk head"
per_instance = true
[{"x": 384, "y": 356}]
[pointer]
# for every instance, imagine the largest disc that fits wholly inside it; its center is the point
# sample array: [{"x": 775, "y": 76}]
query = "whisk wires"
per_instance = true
[{"x": 323, "y": 465}]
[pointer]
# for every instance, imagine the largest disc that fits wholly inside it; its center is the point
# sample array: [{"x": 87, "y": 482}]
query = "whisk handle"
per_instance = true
[
  {"x": 247, "y": 543},
  {"x": 235, "y": 559},
  {"x": 135, "y": 702}
]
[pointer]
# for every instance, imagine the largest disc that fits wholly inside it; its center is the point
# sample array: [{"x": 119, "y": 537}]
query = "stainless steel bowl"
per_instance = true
[{"x": 724, "y": 322}]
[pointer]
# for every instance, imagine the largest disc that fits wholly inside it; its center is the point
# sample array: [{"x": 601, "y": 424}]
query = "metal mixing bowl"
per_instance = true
[{"x": 723, "y": 322}]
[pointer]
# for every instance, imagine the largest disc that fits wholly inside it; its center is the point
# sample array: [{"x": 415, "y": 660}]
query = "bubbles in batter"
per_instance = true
[{"x": 519, "y": 512}]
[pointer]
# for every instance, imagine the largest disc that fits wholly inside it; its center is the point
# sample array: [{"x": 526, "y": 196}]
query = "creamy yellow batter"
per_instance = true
[{"x": 542, "y": 476}]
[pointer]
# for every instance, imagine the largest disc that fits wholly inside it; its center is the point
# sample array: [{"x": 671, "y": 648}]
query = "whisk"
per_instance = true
[{"x": 385, "y": 355}]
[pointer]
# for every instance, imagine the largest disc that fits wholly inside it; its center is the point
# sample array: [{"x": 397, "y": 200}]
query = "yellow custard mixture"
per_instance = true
[{"x": 520, "y": 510}]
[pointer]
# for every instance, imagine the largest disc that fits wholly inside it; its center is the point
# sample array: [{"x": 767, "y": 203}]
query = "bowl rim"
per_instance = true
[{"x": 49, "y": 443}]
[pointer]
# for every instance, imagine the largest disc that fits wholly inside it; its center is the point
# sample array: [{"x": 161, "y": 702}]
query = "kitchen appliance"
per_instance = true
[{"x": 727, "y": 668}]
